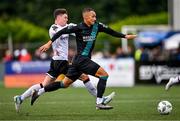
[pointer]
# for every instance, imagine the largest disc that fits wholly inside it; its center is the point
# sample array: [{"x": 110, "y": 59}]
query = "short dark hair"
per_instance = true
[
  {"x": 88, "y": 9},
  {"x": 59, "y": 11}
]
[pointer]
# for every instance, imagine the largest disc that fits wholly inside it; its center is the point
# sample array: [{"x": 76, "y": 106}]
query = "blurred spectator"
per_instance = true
[
  {"x": 16, "y": 55},
  {"x": 41, "y": 56},
  {"x": 138, "y": 53},
  {"x": 120, "y": 53},
  {"x": 106, "y": 55},
  {"x": 97, "y": 55},
  {"x": 178, "y": 54},
  {"x": 25, "y": 56},
  {"x": 141, "y": 54},
  {"x": 157, "y": 54},
  {"x": 8, "y": 56},
  {"x": 144, "y": 55},
  {"x": 174, "y": 55},
  {"x": 44, "y": 56},
  {"x": 129, "y": 52},
  {"x": 36, "y": 55}
]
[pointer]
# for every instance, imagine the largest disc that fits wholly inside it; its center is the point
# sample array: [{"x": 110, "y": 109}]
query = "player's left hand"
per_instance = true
[
  {"x": 45, "y": 47},
  {"x": 130, "y": 36}
]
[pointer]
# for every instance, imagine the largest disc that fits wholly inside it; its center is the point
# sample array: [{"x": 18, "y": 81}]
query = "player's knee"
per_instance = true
[
  {"x": 47, "y": 81},
  {"x": 104, "y": 77},
  {"x": 84, "y": 78},
  {"x": 67, "y": 82},
  {"x": 66, "y": 85},
  {"x": 101, "y": 73},
  {"x": 105, "y": 74}
]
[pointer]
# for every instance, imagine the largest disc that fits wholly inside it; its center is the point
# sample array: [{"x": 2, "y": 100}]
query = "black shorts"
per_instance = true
[
  {"x": 82, "y": 64},
  {"x": 58, "y": 67}
]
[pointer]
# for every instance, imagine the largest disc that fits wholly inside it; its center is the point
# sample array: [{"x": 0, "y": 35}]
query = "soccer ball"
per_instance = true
[{"x": 164, "y": 107}]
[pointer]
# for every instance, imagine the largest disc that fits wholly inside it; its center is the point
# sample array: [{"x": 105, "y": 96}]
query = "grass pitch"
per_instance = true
[{"x": 138, "y": 103}]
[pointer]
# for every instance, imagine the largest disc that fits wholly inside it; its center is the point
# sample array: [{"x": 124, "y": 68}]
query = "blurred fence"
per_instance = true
[
  {"x": 122, "y": 72},
  {"x": 25, "y": 74}
]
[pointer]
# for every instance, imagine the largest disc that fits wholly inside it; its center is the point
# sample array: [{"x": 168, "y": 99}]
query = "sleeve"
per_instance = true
[
  {"x": 108, "y": 30},
  {"x": 66, "y": 30},
  {"x": 52, "y": 30},
  {"x": 72, "y": 24}
]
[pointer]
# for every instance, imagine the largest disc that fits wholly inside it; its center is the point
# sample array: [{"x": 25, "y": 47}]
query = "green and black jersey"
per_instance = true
[{"x": 86, "y": 36}]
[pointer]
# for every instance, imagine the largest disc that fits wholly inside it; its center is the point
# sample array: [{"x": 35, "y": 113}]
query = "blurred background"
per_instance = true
[{"x": 152, "y": 58}]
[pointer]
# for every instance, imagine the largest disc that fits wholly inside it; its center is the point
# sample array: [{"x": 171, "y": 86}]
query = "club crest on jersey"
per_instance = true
[{"x": 88, "y": 38}]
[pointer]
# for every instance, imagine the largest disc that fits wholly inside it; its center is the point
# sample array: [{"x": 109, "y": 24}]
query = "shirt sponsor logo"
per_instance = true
[{"x": 88, "y": 38}]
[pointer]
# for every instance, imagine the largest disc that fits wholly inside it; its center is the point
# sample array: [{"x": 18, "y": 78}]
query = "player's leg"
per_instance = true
[
  {"x": 172, "y": 81},
  {"x": 93, "y": 91},
  {"x": 51, "y": 87},
  {"x": 101, "y": 86},
  {"x": 87, "y": 66},
  {"x": 57, "y": 68},
  {"x": 28, "y": 92},
  {"x": 89, "y": 86},
  {"x": 36, "y": 87},
  {"x": 73, "y": 74},
  {"x": 18, "y": 99},
  {"x": 59, "y": 84}
]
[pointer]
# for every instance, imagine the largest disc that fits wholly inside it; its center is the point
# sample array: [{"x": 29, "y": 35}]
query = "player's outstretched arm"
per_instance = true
[
  {"x": 108, "y": 30},
  {"x": 45, "y": 47}
]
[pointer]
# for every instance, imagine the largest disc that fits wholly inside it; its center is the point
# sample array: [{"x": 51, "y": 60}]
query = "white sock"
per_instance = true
[
  {"x": 90, "y": 87},
  {"x": 99, "y": 100},
  {"x": 41, "y": 91},
  {"x": 28, "y": 92},
  {"x": 176, "y": 80}
]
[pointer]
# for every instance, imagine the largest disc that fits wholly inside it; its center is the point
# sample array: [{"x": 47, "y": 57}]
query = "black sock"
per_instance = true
[
  {"x": 41, "y": 85},
  {"x": 101, "y": 87},
  {"x": 54, "y": 86}
]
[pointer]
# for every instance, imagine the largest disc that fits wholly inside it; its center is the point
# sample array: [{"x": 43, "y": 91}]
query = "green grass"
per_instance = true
[{"x": 137, "y": 103}]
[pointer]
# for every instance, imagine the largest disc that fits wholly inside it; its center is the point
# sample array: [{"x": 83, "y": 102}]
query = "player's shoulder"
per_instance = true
[
  {"x": 54, "y": 27},
  {"x": 102, "y": 24},
  {"x": 72, "y": 24},
  {"x": 81, "y": 24}
]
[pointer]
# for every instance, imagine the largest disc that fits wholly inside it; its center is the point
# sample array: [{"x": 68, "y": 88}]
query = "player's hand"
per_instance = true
[
  {"x": 45, "y": 47},
  {"x": 130, "y": 36}
]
